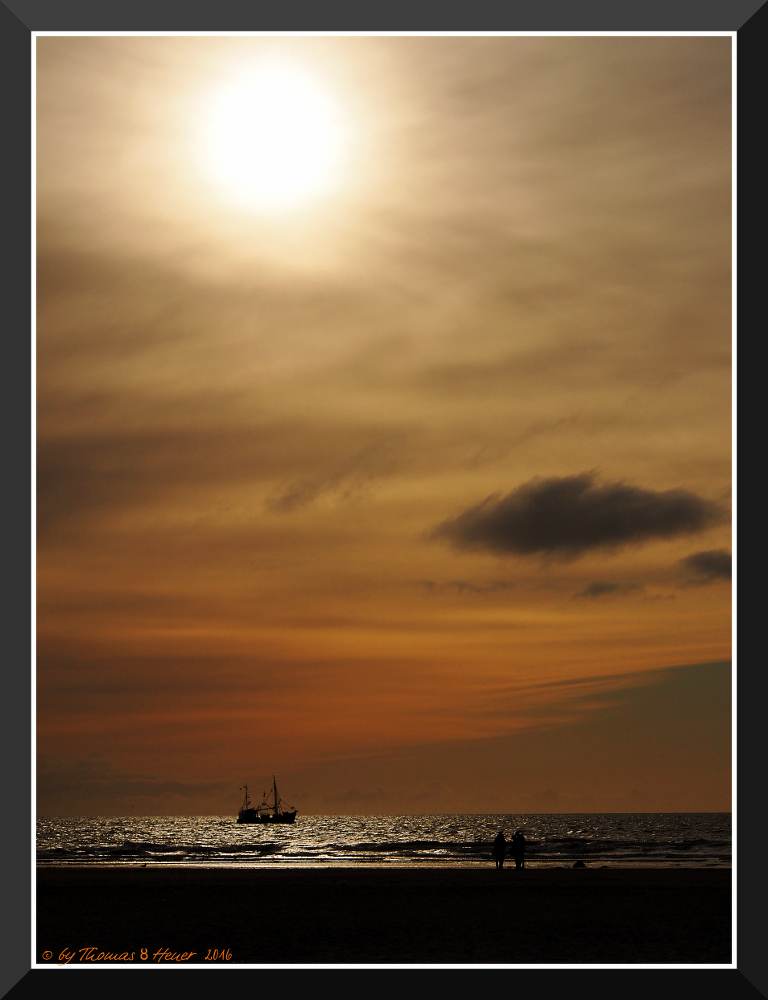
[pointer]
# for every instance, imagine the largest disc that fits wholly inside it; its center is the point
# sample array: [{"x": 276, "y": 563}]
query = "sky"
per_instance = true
[{"x": 383, "y": 423}]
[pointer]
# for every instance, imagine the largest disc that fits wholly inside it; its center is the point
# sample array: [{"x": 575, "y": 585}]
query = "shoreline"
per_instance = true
[{"x": 385, "y": 915}]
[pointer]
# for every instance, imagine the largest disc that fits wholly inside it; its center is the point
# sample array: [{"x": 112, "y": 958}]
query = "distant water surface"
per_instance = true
[{"x": 616, "y": 839}]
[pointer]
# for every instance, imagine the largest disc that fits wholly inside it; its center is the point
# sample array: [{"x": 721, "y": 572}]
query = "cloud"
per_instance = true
[
  {"x": 58, "y": 775},
  {"x": 82, "y": 478},
  {"x": 566, "y": 516},
  {"x": 378, "y": 458},
  {"x": 714, "y": 564},
  {"x": 599, "y": 588},
  {"x": 466, "y": 586}
]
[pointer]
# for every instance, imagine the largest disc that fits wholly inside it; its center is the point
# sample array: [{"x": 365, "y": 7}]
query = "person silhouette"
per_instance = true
[
  {"x": 518, "y": 849},
  {"x": 499, "y": 849}
]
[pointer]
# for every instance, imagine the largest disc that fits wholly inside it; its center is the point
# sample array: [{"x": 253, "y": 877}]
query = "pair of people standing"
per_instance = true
[{"x": 517, "y": 851}]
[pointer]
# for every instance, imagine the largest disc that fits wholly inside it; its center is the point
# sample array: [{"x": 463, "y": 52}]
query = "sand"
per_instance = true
[{"x": 381, "y": 916}]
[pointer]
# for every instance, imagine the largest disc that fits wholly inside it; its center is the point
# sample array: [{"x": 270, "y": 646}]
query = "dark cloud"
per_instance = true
[
  {"x": 566, "y": 516},
  {"x": 467, "y": 587},
  {"x": 714, "y": 564},
  {"x": 599, "y": 588}
]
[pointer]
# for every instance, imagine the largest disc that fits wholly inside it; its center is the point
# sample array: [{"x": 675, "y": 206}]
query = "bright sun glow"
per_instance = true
[{"x": 273, "y": 139}]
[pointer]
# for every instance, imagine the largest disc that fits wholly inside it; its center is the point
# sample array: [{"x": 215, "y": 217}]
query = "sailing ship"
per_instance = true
[{"x": 267, "y": 812}]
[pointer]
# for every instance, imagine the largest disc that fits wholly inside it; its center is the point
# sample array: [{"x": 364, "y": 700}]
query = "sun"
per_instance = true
[{"x": 273, "y": 139}]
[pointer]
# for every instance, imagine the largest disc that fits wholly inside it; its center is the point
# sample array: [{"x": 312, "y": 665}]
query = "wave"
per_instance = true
[{"x": 640, "y": 839}]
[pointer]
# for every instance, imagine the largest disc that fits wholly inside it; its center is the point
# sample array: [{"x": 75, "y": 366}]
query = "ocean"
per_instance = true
[{"x": 628, "y": 840}]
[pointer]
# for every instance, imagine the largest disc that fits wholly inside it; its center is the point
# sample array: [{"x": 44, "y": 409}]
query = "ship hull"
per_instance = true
[{"x": 251, "y": 816}]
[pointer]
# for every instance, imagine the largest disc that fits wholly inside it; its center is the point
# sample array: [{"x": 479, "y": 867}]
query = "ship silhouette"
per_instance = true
[{"x": 267, "y": 812}]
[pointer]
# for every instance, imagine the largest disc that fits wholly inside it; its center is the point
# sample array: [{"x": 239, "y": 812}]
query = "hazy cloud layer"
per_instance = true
[
  {"x": 566, "y": 516},
  {"x": 246, "y": 422},
  {"x": 95, "y": 780},
  {"x": 714, "y": 564}
]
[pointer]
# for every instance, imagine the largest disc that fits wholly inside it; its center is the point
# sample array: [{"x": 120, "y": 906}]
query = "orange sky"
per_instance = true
[{"x": 405, "y": 478}]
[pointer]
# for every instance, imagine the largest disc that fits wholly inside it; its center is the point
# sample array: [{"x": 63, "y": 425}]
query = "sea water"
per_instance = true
[{"x": 629, "y": 840}]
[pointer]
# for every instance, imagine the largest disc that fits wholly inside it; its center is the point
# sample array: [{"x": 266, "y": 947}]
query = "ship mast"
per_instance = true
[{"x": 274, "y": 788}]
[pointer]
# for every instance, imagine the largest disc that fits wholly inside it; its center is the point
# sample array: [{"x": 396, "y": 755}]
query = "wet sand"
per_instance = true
[{"x": 434, "y": 916}]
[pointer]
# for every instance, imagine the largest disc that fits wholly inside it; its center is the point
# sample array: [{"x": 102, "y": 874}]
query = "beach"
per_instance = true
[{"x": 384, "y": 915}]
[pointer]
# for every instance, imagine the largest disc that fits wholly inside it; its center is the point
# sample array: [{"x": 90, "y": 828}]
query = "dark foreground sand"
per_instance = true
[{"x": 385, "y": 915}]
